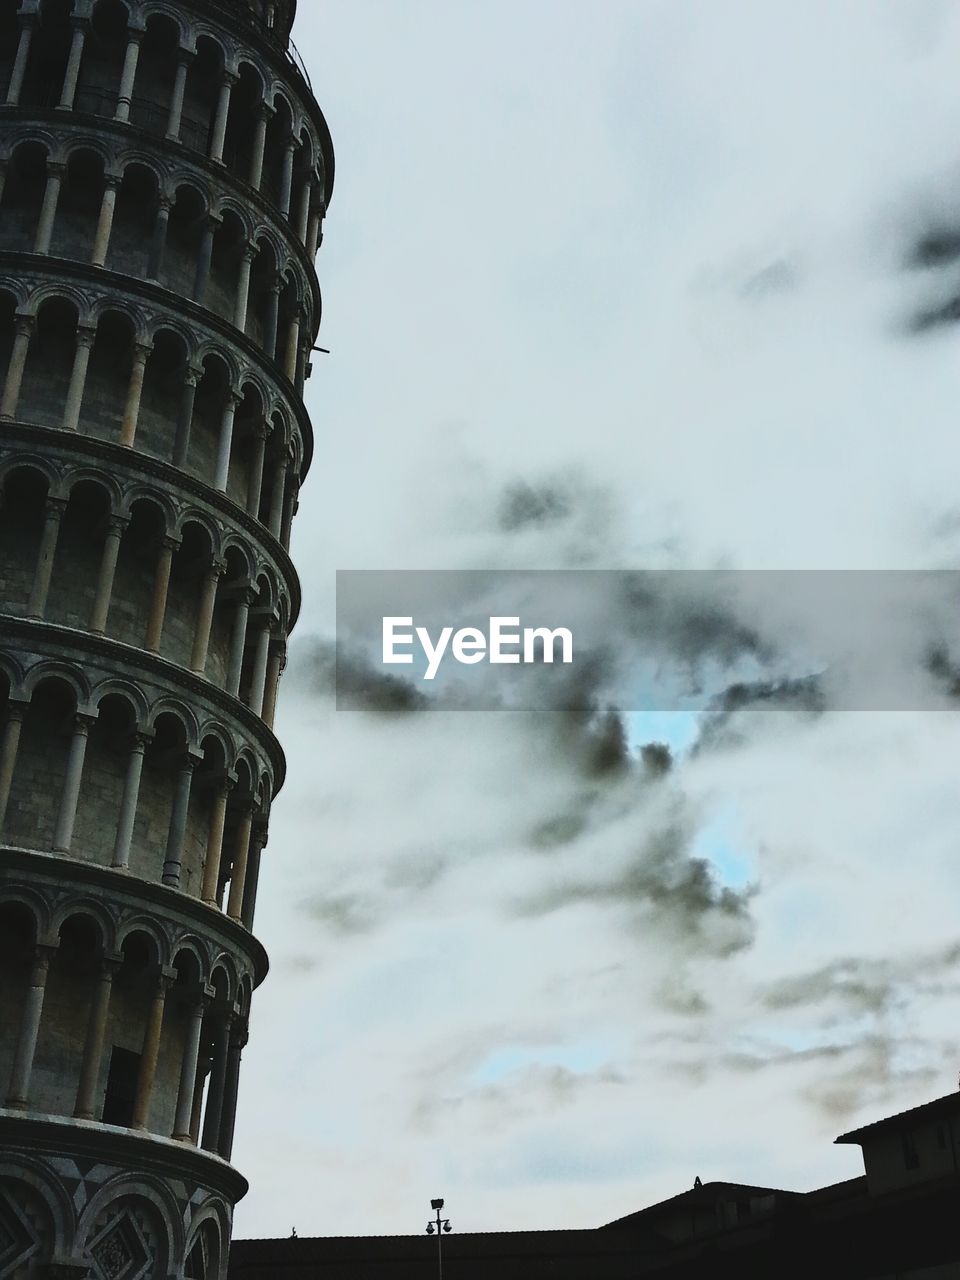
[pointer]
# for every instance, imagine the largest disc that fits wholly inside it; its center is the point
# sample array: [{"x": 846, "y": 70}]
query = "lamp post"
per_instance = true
[{"x": 438, "y": 1225}]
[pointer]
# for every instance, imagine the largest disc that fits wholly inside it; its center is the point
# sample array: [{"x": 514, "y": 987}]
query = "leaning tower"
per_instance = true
[{"x": 165, "y": 172}]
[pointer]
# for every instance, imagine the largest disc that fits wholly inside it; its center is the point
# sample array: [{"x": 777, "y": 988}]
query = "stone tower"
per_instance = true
[{"x": 165, "y": 172}]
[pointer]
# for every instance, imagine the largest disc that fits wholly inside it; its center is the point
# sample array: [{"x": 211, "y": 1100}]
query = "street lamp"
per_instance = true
[{"x": 438, "y": 1225}]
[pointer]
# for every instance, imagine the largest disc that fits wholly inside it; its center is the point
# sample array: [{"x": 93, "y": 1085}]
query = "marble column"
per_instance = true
[
  {"x": 18, "y": 1095},
  {"x": 70, "y": 796},
  {"x": 85, "y": 1107},
  {"x": 23, "y": 328},
  {"x": 86, "y": 336},
  {"x": 220, "y": 119},
  {"x": 72, "y": 73},
  {"x": 9, "y": 749},
  {"x": 161, "y": 586},
  {"x": 173, "y": 856},
  {"x": 53, "y": 514},
  {"x": 48, "y": 209},
  {"x": 108, "y": 205},
  {"x": 128, "y": 803},
  {"x": 128, "y": 76},
  {"x": 20, "y": 61},
  {"x": 150, "y": 1052},
  {"x": 131, "y": 411},
  {"x": 207, "y": 602}
]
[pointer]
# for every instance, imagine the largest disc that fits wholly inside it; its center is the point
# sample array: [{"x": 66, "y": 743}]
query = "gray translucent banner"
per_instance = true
[{"x": 661, "y": 640}]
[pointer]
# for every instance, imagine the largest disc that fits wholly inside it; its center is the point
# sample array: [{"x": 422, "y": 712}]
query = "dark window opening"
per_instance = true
[
  {"x": 911, "y": 1158},
  {"x": 121, "y": 1087}
]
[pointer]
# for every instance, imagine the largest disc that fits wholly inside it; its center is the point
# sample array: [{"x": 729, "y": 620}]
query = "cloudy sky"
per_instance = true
[{"x": 652, "y": 284}]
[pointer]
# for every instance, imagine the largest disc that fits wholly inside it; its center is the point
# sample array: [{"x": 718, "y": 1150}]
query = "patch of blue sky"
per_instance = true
[
  {"x": 678, "y": 729},
  {"x": 579, "y": 1056}
]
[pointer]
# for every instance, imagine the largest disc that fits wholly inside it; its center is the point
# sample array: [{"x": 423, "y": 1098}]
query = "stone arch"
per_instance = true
[
  {"x": 104, "y": 51},
  {"x": 131, "y": 693},
  {"x": 203, "y": 87},
  {"x": 246, "y": 98},
  {"x": 23, "y": 192},
  {"x": 279, "y": 148},
  {"x": 36, "y": 1210},
  {"x": 35, "y": 907},
  {"x": 117, "y": 332},
  {"x": 229, "y": 245},
  {"x": 26, "y": 483},
  {"x": 147, "y": 538},
  {"x": 264, "y": 297},
  {"x": 189, "y": 218},
  {"x": 134, "y": 1197},
  {"x": 206, "y": 1243},
  {"x": 162, "y": 395},
  {"x": 92, "y": 499},
  {"x": 134, "y": 221},
  {"x": 193, "y": 557},
  {"x": 215, "y": 385},
  {"x": 156, "y": 70},
  {"x": 55, "y": 691}
]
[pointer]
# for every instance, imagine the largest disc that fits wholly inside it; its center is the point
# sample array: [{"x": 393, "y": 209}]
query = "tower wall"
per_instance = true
[{"x": 164, "y": 175}]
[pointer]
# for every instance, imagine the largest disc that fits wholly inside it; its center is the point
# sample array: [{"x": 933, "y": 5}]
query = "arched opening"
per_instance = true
[
  {"x": 23, "y": 196},
  {"x": 76, "y": 566},
  {"x": 184, "y": 236},
  {"x": 262, "y": 310},
  {"x": 208, "y": 1096},
  {"x": 191, "y": 565},
  {"x": 79, "y": 207},
  {"x": 134, "y": 222},
  {"x": 136, "y": 572},
  {"x": 49, "y": 50},
  {"x": 279, "y": 138},
  {"x": 103, "y": 54},
  {"x": 301, "y": 188},
  {"x": 162, "y": 394},
  {"x": 274, "y": 474},
  {"x": 156, "y": 72},
  {"x": 49, "y": 363},
  {"x": 207, "y": 417},
  {"x": 104, "y": 775},
  {"x": 247, "y": 428},
  {"x": 245, "y": 99},
  {"x": 8, "y": 308},
  {"x": 228, "y": 246},
  {"x": 288, "y": 323},
  {"x": 231, "y": 596},
  {"x": 252, "y": 673},
  {"x": 203, "y": 1257},
  {"x": 66, "y": 1004},
  {"x": 108, "y": 376},
  {"x": 243, "y": 803},
  {"x": 41, "y": 764},
  {"x": 18, "y": 939},
  {"x": 24, "y": 493},
  {"x": 9, "y": 40},
  {"x": 160, "y": 767},
  {"x": 133, "y": 987},
  {"x": 201, "y": 95}
]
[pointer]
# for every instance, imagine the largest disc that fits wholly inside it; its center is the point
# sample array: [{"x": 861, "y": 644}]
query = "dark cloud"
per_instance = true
[
  {"x": 343, "y": 913},
  {"x": 662, "y": 885},
  {"x": 337, "y": 670},
  {"x": 779, "y": 276},
  {"x": 522, "y": 505},
  {"x": 719, "y": 727},
  {"x": 937, "y": 247}
]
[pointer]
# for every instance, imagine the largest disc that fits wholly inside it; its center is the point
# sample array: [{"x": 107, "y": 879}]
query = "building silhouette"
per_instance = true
[
  {"x": 165, "y": 172},
  {"x": 896, "y": 1222}
]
